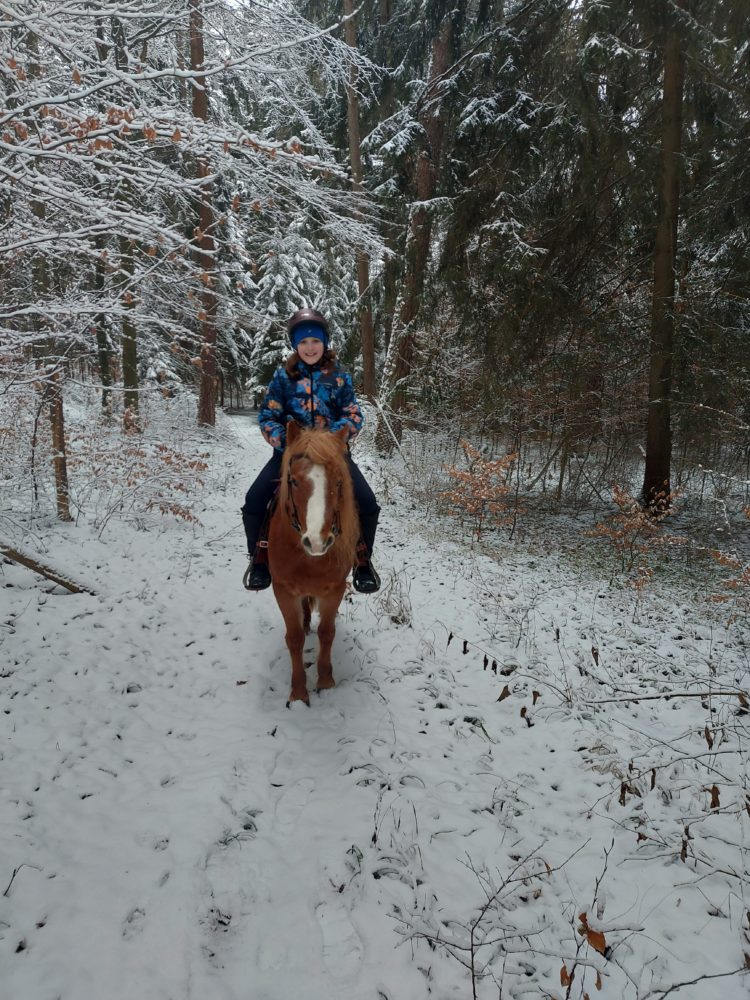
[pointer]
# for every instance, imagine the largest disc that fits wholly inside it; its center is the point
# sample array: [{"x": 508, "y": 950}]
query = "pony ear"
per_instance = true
[{"x": 292, "y": 432}]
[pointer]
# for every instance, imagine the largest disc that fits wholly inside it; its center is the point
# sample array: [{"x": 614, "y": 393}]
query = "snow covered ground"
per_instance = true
[{"x": 539, "y": 823}]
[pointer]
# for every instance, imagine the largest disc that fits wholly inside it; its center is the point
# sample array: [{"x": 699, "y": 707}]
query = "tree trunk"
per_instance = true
[
  {"x": 204, "y": 241},
  {"x": 59, "y": 461},
  {"x": 100, "y": 326},
  {"x": 181, "y": 83},
  {"x": 130, "y": 399},
  {"x": 51, "y": 391},
  {"x": 391, "y": 274},
  {"x": 398, "y": 364},
  {"x": 656, "y": 483},
  {"x": 367, "y": 335}
]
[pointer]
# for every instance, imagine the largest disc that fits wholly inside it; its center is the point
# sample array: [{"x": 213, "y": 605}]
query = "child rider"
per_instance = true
[{"x": 313, "y": 390}]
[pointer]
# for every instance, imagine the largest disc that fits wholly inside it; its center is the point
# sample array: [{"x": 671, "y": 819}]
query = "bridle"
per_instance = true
[{"x": 293, "y": 514}]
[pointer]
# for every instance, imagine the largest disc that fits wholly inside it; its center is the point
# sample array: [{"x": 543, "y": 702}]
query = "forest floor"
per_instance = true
[{"x": 531, "y": 780}]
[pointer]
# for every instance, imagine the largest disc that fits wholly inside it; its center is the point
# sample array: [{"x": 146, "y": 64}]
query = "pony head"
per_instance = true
[{"x": 316, "y": 491}]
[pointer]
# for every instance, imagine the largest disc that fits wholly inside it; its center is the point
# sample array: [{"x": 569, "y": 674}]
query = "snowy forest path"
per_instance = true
[{"x": 170, "y": 830}]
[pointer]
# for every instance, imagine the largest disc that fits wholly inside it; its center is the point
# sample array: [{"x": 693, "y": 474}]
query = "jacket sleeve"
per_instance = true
[
  {"x": 272, "y": 416},
  {"x": 351, "y": 415}
]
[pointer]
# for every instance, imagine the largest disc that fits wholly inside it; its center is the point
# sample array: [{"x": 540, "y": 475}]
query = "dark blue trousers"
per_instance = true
[{"x": 258, "y": 496}]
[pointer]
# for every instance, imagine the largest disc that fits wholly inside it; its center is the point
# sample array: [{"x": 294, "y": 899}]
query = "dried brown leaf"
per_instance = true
[{"x": 597, "y": 940}]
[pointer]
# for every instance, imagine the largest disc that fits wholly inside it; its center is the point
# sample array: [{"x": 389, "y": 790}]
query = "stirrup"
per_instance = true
[
  {"x": 256, "y": 577},
  {"x": 366, "y": 579}
]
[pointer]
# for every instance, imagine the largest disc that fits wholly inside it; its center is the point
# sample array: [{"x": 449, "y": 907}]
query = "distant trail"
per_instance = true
[{"x": 245, "y": 426}]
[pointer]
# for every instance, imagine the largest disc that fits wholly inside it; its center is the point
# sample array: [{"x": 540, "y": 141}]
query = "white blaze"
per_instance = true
[{"x": 316, "y": 509}]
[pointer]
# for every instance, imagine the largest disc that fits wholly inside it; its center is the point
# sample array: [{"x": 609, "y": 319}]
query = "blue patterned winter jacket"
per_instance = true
[{"x": 321, "y": 397}]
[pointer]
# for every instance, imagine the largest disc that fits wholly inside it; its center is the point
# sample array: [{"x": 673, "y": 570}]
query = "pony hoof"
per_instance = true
[
  {"x": 299, "y": 697},
  {"x": 325, "y": 685}
]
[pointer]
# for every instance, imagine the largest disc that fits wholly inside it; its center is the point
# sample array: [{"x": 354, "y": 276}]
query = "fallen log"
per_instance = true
[{"x": 23, "y": 560}]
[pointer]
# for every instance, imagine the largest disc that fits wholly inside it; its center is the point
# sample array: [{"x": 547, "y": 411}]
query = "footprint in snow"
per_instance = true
[
  {"x": 342, "y": 946},
  {"x": 132, "y": 925},
  {"x": 292, "y": 802}
]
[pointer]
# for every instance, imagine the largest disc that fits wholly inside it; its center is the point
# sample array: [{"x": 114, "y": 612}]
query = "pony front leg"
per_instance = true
[
  {"x": 327, "y": 608},
  {"x": 291, "y": 609}
]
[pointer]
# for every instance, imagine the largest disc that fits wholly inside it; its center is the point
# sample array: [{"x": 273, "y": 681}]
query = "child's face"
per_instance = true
[{"x": 310, "y": 350}]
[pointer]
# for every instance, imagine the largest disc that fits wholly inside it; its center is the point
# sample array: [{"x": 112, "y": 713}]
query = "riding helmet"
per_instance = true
[{"x": 307, "y": 323}]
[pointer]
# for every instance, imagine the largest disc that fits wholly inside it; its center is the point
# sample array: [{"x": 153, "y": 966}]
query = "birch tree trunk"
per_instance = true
[
  {"x": 205, "y": 248},
  {"x": 656, "y": 483},
  {"x": 367, "y": 335}
]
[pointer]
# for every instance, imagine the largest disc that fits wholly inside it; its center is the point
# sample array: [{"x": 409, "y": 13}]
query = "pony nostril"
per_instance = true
[
  {"x": 329, "y": 542},
  {"x": 306, "y": 543}
]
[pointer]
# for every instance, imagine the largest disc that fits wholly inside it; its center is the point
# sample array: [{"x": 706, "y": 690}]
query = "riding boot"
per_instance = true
[
  {"x": 366, "y": 579},
  {"x": 257, "y": 575}
]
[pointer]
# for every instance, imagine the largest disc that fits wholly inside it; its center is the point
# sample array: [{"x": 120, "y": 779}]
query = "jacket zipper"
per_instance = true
[{"x": 312, "y": 398}]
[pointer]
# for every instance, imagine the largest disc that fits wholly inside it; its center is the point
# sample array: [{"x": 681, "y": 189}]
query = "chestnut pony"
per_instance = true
[{"x": 312, "y": 541}]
